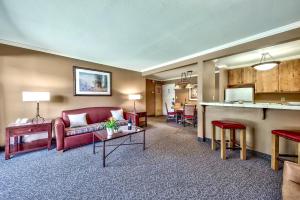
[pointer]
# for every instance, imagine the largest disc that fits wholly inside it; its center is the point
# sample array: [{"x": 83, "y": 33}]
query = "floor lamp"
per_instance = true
[{"x": 134, "y": 97}]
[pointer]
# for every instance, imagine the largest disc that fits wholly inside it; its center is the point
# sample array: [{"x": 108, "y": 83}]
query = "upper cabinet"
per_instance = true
[
  {"x": 248, "y": 75},
  {"x": 284, "y": 78},
  {"x": 235, "y": 77},
  {"x": 289, "y": 76},
  {"x": 241, "y": 76},
  {"x": 267, "y": 81}
]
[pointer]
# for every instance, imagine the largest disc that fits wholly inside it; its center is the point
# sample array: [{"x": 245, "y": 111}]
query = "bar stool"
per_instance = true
[
  {"x": 290, "y": 135},
  {"x": 232, "y": 126}
]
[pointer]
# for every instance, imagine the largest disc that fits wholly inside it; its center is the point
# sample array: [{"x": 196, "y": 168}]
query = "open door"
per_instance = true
[{"x": 168, "y": 93}]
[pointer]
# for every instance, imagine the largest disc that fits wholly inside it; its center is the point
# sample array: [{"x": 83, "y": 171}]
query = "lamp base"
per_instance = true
[{"x": 38, "y": 119}]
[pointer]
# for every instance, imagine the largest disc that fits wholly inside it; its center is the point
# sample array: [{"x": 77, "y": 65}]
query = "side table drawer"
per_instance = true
[{"x": 27, "y": 130}]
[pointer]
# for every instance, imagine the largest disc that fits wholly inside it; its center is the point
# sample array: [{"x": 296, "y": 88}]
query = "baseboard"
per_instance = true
[
  {"x": 249, "y": 151},
  {"x": 2, "y": 148},
  {"x": 200, "y": 139}
]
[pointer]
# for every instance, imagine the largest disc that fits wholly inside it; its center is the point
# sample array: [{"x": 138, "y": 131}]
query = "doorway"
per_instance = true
[{"x": 168, "y": 92}]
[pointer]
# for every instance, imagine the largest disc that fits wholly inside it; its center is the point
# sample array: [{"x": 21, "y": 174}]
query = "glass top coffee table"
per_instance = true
[{"x": 123, "y": 133}]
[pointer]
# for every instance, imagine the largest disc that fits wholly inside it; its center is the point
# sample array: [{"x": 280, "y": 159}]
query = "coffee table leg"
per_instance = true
[
  {"x": 94, "y": 143},
  {"x": 103, "y": 156},
  {"x": 144, "y": 137}
]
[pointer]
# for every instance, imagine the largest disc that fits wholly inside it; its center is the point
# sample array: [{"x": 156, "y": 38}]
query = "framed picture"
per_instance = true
[
  {"x": 193, "y": 93},
  {"x": 91, "y": 82}
]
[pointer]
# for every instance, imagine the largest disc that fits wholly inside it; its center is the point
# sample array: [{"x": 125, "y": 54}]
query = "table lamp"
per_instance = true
[
  {"x": 134, "y": 97},
  {"x": 36, "y": 97}
]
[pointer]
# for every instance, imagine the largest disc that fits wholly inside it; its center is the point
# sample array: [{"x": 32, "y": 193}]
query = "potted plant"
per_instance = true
[{"x": 111, "y": 126}]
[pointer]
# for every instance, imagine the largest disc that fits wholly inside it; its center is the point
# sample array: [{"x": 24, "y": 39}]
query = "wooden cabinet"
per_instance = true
[
  {"x": 248, "y": 75},
  {"x": 241, "y": 76},
  {"x": 285, "y": 78},
  {"x": 289, "y": 76},
  {"x": 235, "y": 77},
  {"x": 267, "y": 81}
]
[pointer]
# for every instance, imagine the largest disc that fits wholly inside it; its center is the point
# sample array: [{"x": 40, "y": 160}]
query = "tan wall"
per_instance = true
[{"x": 26, "y": 70}]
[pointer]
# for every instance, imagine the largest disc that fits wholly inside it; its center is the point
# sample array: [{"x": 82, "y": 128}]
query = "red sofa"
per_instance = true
[{"x": 67, "y": 137}]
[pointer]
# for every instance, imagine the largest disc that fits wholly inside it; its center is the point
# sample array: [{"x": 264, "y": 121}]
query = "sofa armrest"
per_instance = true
[
  {"x": 291, "y": 181},
  {"x": 291, "y": 172},
  {"x": 59, "y": 127}
]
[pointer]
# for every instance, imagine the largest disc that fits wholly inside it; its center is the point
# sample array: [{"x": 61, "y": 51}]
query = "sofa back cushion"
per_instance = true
[{"x": 93, "y": 114}]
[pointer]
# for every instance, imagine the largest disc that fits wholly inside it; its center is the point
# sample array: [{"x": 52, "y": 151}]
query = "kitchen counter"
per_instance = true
[{"x": 253, "y": 105}]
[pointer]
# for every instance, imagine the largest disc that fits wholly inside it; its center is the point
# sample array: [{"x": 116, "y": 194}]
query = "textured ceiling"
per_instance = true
[{"x": 136, "y": 34}]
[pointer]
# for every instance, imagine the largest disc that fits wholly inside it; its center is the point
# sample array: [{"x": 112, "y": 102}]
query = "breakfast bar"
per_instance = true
[{"x": 260, "y": 118}]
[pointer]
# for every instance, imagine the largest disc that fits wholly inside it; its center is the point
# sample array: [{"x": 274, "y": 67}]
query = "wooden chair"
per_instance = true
[
  {"x": 189, "y": 115},
  {"x": 170, "y": 115}
]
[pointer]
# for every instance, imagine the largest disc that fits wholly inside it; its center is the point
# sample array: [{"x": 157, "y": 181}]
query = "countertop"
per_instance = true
[{"x": 253, "y": 105}]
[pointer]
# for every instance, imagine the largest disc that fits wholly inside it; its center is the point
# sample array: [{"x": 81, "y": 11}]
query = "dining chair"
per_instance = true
[
  {"x": 170, "y": 115},
  {"x": 189, "y": 115}
]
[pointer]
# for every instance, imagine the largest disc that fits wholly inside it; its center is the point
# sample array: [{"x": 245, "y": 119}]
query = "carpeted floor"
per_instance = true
[{"x": 174, "y": 166}]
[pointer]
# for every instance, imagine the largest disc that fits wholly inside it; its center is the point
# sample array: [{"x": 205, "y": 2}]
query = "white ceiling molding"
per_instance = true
[{"x": 231, "y": 44}]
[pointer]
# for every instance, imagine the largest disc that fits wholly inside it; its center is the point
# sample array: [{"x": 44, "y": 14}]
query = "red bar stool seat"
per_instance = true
[
  {"x": 228, "y": 124},
  {"x": 232, "y": 126},
  {"x": 289, "y": 135}
]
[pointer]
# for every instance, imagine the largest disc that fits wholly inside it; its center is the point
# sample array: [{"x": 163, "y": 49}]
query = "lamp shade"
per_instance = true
[
  {"x": 188, "y": 86},
  {"x": 36, "y": 96},
  {"x": 266, "y": 65},
  {"x": 134, "y": 97}
]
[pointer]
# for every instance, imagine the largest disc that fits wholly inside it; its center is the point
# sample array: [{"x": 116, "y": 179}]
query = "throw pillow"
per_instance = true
[
  {"x": 77, "y": 120},
  {"x": 117, "y": 114}
]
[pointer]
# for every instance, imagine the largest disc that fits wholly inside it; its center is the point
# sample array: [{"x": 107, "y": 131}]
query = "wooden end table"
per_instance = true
[
  {"x": 18, "y": 130},
  {"x": 135, "y": 117},
  {"x": 124, "y": 132}
]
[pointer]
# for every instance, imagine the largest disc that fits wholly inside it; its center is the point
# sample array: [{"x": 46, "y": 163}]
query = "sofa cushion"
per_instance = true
[
  {"x": 90, "y": 128},
  {"x": 84, "y": 129},
  {"x": 122, "y": 122}
]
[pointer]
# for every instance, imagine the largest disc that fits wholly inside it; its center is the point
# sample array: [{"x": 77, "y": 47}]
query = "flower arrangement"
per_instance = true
[{"x": 111, "y": 126}]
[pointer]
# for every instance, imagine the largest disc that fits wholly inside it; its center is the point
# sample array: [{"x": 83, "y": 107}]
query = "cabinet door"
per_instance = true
[
  {"x": 267, "y": 81},
  {"x": 235, "y": 77},
  {"x": 289, "y": 76},
  {"x": 296, "y": 78},
  {"x": 248, "y": 74}
]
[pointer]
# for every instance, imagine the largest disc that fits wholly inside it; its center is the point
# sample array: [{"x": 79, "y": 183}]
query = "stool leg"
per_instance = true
[
  {"x": 213, "y": 138},
  {"x": 232, "y": 139},
  {"x": 275, "y": 152},
  {"x": 223, "y": 145},
  {"x": 243, "y": 145},
  {"x": 298, "y": 152}
]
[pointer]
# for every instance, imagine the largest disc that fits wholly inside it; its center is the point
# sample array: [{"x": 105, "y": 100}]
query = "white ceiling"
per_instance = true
[
  {"x": 174, "y": 73},
  {"x": 138, "y": 35},
  {"x": 280, "y": 52}
]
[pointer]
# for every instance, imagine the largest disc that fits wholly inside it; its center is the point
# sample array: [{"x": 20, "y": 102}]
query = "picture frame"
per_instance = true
[
  {"x": 91, "y": 82},
  {"x": 193, "y": 93}
]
